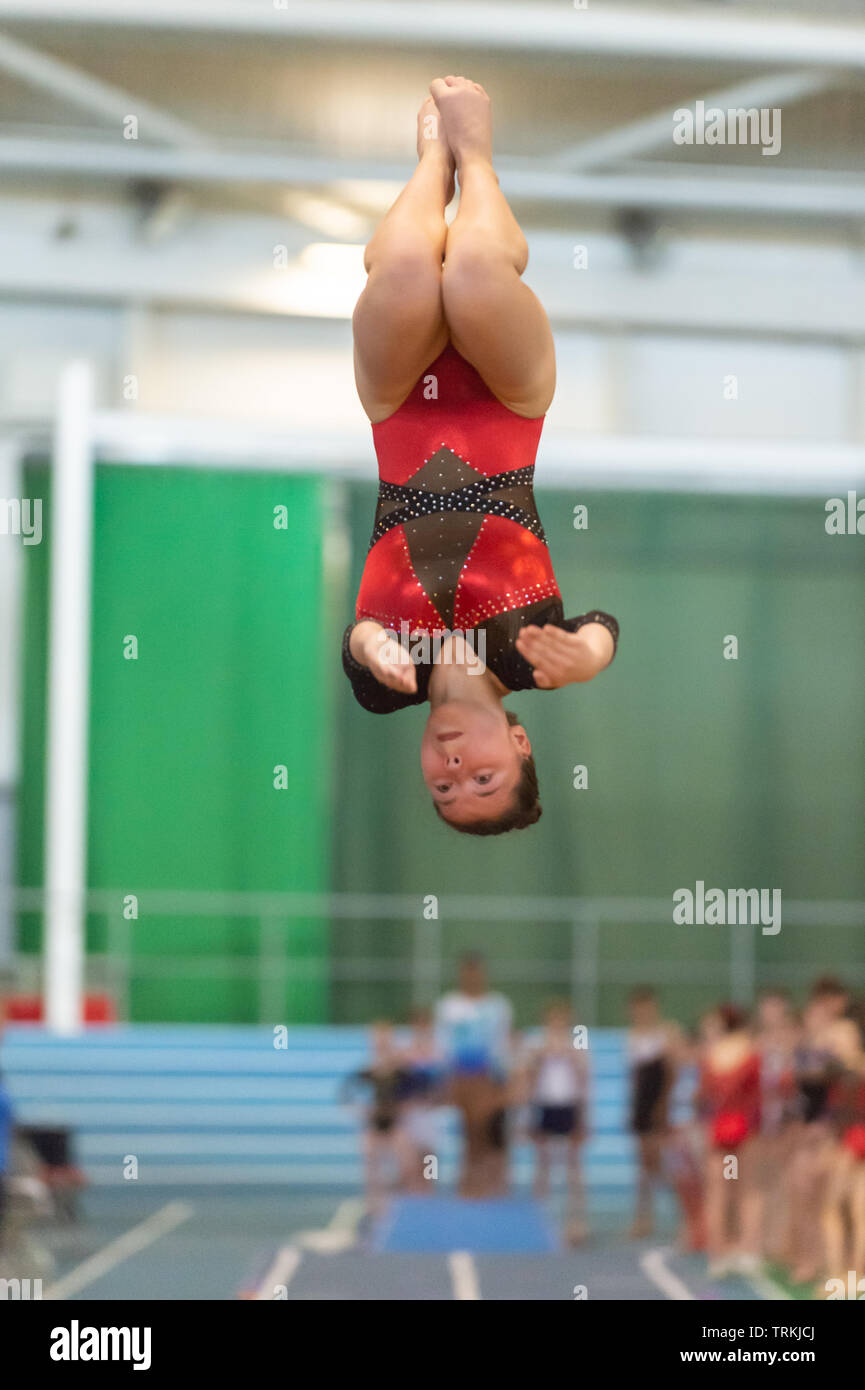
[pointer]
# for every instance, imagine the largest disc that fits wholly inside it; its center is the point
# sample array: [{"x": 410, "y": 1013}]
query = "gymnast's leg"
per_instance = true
[
  {"x": 399, "y": 325},
  {"x": 495, "y": 321}
]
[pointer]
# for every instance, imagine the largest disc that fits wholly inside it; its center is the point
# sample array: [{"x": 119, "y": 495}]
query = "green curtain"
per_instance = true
[{"x": 230, "y": 682}]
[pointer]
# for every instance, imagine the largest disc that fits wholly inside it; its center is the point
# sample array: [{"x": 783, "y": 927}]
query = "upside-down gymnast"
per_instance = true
[{"x": 455, "y": 367}]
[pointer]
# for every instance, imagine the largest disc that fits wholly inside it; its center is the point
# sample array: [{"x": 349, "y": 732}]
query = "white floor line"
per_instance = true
[
  {"x": 111, "y": 1255},
  {"x": 464, "y": 1275},
  {"x": 280, "y": 1274},
  {"x": 348, "y": 1214},
  {"x": 339, "y": 1234},
  {"x": 653, "y": 1265}
]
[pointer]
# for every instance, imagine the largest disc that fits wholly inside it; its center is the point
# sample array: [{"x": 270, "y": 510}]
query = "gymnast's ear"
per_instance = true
[{"x": 518, "y": 734}]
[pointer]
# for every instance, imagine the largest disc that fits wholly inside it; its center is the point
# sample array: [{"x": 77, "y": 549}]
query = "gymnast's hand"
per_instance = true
[
  {"x": 564, "y": 658},
  {"x": 385, "y": 657}
]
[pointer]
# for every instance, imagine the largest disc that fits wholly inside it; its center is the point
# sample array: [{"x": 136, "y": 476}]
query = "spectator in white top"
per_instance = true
[
  {"x": 557, "y": 1085},
  {"x": 473, "y": 1025}
]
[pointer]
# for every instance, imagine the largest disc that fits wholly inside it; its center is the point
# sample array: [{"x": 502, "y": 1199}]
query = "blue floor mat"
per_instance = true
[{"x": 439, "y": 1224}]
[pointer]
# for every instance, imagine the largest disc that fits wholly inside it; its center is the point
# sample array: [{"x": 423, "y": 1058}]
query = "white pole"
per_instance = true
[
  {"x": 71, "y": 526},
  {"x": 10, "y": 593}
]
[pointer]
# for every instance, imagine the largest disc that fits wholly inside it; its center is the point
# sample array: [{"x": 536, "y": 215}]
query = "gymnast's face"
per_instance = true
[
  {"x": 471, "y": 760},
  {"x": 773, "y": 1011}
]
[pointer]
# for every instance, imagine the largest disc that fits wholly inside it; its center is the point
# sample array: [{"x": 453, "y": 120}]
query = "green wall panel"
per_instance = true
[{"x": 230, "y": 682}]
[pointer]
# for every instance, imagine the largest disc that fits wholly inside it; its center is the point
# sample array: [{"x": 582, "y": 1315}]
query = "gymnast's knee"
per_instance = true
[
  {"x": 403, "y": 264},
  {"x": 483, "y": 260}
]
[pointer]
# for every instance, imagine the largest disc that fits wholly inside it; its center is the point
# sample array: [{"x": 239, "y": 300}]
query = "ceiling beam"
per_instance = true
[
  {"x": 674, "y": 187},
  {"x": 115, "y": 105},
  {"x": 92, "y": 94},
  {"x": 656, "y": 131},
  {"x": 226, "y": 262},
  {"x": 712, "y": 34}
]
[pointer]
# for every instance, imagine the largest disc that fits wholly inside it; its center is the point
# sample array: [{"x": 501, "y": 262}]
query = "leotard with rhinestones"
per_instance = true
[{"x": 457, "y": 543}]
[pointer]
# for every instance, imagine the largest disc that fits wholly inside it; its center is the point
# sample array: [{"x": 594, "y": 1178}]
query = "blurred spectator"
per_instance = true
[
  {"x": 421, "y": 1097},
  {"x": 5, "y": 1138},
  {"x": 654, "y": 1050},
  {"x": 729, "y": 1093},
  {"x": 817, "y": 1062},
  {"x": 382, "y": 1083},
  {"x": 473, "y": 1025},
  {"x": 557, "y": 1086},
  {"x": 776, "y": 1037},
  {"x": 843, "y": 1213}
]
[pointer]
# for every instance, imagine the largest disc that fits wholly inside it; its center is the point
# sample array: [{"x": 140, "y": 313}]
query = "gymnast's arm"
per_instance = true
[
  {"x": 382, "y": 679},
  {"x": 571, "y": 652}
]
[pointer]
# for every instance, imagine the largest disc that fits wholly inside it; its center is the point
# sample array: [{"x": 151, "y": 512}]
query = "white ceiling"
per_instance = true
[{"x": 239, "y": 100}]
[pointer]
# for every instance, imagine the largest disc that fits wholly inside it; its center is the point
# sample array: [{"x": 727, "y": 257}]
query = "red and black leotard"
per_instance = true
[
  {"x": 847, "y": 1110},
  {"x": 457, "y": 544},
  {"x": 730, "y": 1100}
]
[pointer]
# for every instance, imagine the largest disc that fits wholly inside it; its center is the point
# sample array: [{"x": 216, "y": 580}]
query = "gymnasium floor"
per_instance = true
[{"x": 208, "y": 1244}]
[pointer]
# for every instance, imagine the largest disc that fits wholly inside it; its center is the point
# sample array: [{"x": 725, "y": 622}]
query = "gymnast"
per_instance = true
[{"x": 455, "y": 368}]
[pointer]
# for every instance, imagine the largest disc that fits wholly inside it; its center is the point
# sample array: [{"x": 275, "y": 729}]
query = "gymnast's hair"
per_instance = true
[{"x": 524, "y": 810}]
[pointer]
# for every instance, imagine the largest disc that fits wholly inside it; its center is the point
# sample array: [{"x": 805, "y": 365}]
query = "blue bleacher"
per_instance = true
[{"x": 199, "y": 1104}]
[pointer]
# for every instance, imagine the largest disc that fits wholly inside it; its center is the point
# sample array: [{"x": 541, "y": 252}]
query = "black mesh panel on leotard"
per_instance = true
[
  {"x": 446, "y": 484},
  {"x": 439, "y": 546},
  {"x": 441, "y": 510}
]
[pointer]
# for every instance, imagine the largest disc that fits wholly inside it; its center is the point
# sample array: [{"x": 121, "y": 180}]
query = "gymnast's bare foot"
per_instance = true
[
  {"x": 466, "y": 116},
  {"x": 432, "y": 143}
]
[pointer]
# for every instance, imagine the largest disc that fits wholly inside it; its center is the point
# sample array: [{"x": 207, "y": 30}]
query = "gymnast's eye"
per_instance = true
[
  {"x": 484, "y": 777},
  {"x": 443, "y": 787}
]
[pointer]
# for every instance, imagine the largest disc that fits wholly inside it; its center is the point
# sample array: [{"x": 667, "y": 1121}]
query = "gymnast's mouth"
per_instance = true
[{"x": 446, "y": 738}]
